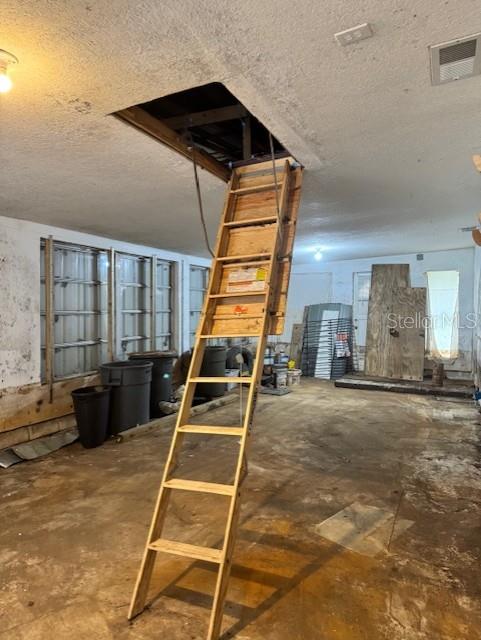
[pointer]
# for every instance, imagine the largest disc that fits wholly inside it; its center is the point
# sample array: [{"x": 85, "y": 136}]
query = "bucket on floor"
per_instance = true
[
  {"x": 161, "y": 385},
  {"x": 293, "y": 377},
  {"x": 129, "y": 384},
  {"x": 268, "y": 356},
  {"x": 91, "y": 405},
  {"x": 280, "y": 374},
  {"x": 231, "y": 373}
]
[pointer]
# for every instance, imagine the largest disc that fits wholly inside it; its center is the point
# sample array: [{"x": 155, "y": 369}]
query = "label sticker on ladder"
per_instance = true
[
  {"x": 239, "y": 309},
  {"x": 261, "y": 274},
  {"x": 246, "y": 279}
]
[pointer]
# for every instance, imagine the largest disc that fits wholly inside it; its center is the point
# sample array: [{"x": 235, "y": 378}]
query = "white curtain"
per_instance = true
[{"x": 443, "y": 314}]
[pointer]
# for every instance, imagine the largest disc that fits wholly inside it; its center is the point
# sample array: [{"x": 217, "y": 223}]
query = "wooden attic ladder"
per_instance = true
[{"x": 246, "y": 297}]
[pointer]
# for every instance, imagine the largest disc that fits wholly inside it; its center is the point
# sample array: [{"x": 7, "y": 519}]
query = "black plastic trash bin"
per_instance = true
[
  {"x": 91, "y": 405},
  {"x": 129, "y": 384},
  {"x": 161, "y": 385}
]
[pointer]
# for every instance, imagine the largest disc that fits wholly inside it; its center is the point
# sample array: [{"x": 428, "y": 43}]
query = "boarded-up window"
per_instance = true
[
  {"x": 133, "y": 277},
  {"x": 80, "y": 309},
  {"x": 164, "y": 306},
  {"x": 199, "y": 277}
]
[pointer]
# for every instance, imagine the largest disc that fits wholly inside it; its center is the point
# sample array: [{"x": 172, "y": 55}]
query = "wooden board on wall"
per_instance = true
[
  {"x": 411, "y": 308},
  {"x": 23, "y": 406},
  {"x": 295, "y": 351},
  {"x": 384, "y": 278},
  {"x": 395, "y": 336}
]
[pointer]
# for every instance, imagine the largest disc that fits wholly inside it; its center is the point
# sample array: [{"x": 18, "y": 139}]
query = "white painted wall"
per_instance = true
[
  {"x": 477, "y": 311},
  {"x": 333, "y": 282},
  {"x": 20, "y": 292}
]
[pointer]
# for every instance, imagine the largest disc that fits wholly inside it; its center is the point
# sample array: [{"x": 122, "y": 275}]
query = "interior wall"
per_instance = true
[
  {"x": 20, "y": 286},
  {"x": 477, "y": 315},
  {"x": 333, "y": 282}
]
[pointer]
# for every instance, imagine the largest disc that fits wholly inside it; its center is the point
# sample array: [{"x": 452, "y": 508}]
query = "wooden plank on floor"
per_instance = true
[{"x": 404, "y": 386}]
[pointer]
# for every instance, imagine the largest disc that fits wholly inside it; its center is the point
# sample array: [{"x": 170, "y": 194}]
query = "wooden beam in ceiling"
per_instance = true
[
  {"x": 211, "y": 116},
  {"x": 246, "y": 139},
  {"x": 140, "y": 119}
]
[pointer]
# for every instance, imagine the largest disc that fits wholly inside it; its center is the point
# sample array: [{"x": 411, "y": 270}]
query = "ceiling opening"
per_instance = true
[{"x": 210, "y": 120}]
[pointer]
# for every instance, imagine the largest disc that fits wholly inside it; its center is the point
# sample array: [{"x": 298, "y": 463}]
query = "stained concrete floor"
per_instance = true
[{"x": 74, "y": 523}]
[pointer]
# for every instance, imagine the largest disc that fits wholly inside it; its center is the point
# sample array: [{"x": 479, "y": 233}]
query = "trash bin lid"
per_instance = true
[
  {"x": 145, "y": 355},
  {"x": 124, "y": 364}
]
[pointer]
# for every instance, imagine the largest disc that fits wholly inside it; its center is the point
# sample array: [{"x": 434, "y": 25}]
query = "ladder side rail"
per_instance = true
[
  {"x": 148, "y": 560},
  {"x": 234, "y": 510}
]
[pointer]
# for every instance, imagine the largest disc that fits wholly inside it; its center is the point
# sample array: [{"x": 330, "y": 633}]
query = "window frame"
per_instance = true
[
  {"x": 49, "y": 312},
  {"x": 431, "y": 329},
  {"x": 120, "y": 352},
  {"x": 111, "y": 307},
  {"x": 171, "y": 311},
  {"x": 206, "y": 272}
]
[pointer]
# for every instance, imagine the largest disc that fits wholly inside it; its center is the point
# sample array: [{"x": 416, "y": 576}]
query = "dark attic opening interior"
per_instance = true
[{"x": 212, "y": 121}]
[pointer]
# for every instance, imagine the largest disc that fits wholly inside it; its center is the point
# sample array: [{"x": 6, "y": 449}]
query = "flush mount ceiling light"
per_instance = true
[
  {"x": 6, "y": 59},
  {"x": 318, "y": 255}
]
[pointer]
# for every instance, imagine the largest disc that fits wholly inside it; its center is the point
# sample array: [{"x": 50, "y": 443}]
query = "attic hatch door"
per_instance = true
[{"x": 225, "y": 134}]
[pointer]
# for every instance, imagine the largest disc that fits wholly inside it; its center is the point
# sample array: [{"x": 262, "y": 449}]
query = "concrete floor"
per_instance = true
[{"x": 74, "y": 524}]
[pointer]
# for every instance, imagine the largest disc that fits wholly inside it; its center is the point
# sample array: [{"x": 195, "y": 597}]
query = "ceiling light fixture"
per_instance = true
[
  {"x": 318, "y": 255},
  {"x": 6, "y": 59}
]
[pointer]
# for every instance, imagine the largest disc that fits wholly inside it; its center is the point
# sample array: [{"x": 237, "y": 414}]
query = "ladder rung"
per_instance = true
[
  {"x": 251, "y": 222},
  {"x": 260, "y": 187},
  {"x": 203, "y": 487},
  {"x": 255, "y": 263},
  {"x": 240, "y": 380},
  {"x": 238, "y": 316},
  {"x": 211, "y": 430},
  {"x": 239, "y": 294},
  {"x": 209, "y": 336},
  {"x": 187, "y": 550},
  {"x": 248, "y": 256}
]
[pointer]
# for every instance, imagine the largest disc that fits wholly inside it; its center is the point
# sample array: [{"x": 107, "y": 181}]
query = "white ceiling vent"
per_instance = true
[{"x": 456, "y": 59}]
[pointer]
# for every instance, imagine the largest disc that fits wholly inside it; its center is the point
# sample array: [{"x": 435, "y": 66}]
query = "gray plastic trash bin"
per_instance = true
[
  {"x": 129, "y": 384},
  {"x": 161, "y": 386}
]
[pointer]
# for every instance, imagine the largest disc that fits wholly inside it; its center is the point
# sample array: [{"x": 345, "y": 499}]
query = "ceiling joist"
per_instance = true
[
  {"x": 140, "y": 119},
  {"x": 211, "y": 116}
]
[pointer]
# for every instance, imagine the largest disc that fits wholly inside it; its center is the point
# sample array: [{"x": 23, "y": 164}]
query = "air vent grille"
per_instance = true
[
  {"x": 457, "y": 52},
  {"x": 456, "y": 60}
]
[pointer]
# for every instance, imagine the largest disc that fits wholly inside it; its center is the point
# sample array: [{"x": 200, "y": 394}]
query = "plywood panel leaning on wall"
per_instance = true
[
  {"x": 395, "y": 333},
  {"x": 410, "y": 308}
]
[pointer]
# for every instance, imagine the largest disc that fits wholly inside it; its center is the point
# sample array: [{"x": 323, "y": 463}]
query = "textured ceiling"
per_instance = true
[{"x": 387, "y": 156}]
